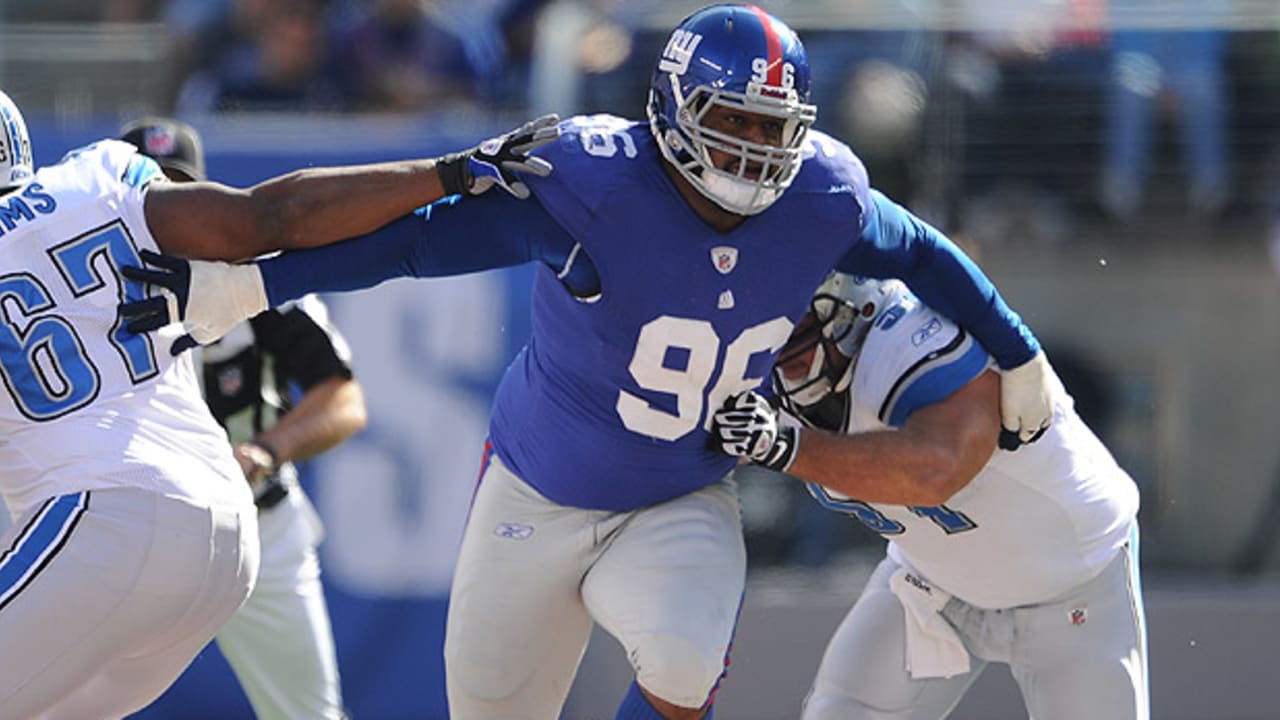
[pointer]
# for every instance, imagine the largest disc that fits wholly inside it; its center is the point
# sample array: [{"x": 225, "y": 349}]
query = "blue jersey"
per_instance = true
[
  {"x": 608, "y": 406},
  {"x": 645, "y": 318}
]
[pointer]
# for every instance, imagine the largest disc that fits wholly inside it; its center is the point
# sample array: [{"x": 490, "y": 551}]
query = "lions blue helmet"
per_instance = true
[
  {"x": 15, "y": 145},
  {"x": 740, "y": 57}
]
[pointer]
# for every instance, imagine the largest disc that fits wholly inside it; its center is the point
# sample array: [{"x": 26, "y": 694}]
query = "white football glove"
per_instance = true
[
  {"x": 221, "y": 297},
  {"x": 1026, "y": 401},
  {"x": 209, "y": 298},
  {"x": 747, "y": 426}
]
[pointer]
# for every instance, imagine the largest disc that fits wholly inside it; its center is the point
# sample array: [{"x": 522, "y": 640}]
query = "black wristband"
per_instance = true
[{"x": 452, "y": 171}]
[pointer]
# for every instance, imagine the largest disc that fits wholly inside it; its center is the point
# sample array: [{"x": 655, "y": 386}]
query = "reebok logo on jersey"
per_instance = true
[
  {"x": 725, "y": 258},
  {"x": 726, "y": 300},
  {"x": 513, "y": 531},
  {"x": 929, "y": 329}
]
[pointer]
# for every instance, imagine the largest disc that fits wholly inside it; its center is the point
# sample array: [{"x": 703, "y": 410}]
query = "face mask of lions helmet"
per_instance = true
[
  {"x": 15, "y": 146},
  {"x": 815, "y": 368},
  {"x": 739, "y": 57}
]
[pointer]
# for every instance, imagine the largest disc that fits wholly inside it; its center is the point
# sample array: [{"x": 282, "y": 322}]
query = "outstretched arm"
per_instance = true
[
  {"x": 896, "y": 243},
  {"x": 447, "y": 238},
  {"x": 302, "y": 209},
  {"x": 318, "y": 206}
]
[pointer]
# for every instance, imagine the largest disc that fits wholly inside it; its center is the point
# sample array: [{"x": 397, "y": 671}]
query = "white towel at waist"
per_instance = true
[{"x": 934, "y": 649}]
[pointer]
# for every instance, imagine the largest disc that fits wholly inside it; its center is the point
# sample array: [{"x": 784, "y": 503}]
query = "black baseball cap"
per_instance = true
[{"x": 173, "y": 144}]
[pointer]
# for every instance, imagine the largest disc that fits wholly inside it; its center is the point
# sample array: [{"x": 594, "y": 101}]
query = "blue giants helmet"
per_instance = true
[
  {"x": 740, "y": 57},
  {"x": 15, "y": 145}
]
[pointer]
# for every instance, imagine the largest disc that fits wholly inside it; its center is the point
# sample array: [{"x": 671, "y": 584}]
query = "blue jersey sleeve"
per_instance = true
[
  {"x": 896, "y": 243},
  {"x": 450, "y": 237}
]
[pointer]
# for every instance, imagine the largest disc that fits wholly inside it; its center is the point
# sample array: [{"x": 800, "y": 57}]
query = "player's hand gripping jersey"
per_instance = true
[
  {"x": 1033, "y": 524},
  {"x": 106, "y": 406}
]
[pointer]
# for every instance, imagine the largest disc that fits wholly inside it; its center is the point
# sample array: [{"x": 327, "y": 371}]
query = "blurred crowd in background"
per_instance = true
[
  {"x": 1004, "y": 122},
  {"x": 1051, "y": 109}
]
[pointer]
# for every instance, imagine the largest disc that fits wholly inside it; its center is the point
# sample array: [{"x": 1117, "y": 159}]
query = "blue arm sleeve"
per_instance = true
[
  {"x": 896, "y": 243},
  {"x": 449, "y": 237}
]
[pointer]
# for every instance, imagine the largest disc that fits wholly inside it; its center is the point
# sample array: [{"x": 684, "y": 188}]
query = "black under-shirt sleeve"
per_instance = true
[{"x": 304, "y": 351}]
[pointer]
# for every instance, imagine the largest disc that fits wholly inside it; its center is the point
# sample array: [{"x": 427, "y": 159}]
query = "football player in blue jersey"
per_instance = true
[{"x": 674, "y": 258}]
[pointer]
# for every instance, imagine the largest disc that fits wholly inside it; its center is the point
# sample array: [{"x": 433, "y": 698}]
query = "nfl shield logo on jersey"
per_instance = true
[
  {"x": 725, "y": 258},
  {"x": 1078, "y": 616}
]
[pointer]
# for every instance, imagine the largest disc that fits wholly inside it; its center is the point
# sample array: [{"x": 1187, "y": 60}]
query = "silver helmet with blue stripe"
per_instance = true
[{"x": 16, "y": 166}]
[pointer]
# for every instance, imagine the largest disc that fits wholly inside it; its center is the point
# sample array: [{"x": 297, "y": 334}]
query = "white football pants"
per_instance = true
[
  {"x": 107, "y": 595},
  {"x": 280, "y": 643},
  {"x": 1083, "y": 655},
  {"x": 666, "y": 581}
]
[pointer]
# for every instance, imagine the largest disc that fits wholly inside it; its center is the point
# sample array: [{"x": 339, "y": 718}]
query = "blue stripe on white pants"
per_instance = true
[
  {"x": 38, "y": 542},
  {"x": 139, "y": 586}
]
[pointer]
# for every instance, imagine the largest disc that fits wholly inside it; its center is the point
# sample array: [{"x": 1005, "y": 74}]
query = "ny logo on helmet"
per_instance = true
[{"x": 679, "y": 51}]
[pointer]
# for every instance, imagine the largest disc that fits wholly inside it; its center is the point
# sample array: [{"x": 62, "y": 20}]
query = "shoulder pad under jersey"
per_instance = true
[
  {"x": 594, "y": 155},
  {"x": 913, "y": 357},
  {"x": 830, "y": 166},
  {"x": 116, "y": 159}
]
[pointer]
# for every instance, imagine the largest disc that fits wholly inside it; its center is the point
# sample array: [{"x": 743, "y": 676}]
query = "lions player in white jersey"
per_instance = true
[
  {"x": 280, "y": 643},
  {"x": 135, "y": 534},
  {"x": 1028, "y": 558}
]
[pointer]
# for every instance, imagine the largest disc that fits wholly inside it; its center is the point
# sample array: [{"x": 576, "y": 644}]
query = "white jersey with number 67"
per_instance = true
[{"x": 86, "y": 405}]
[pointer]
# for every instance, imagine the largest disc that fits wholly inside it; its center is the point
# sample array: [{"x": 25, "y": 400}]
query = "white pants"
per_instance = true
[
  {"x": 1083, "y": 655},
  {"x": 280, "y": 643},
  {"x": 106, "y": 596},
  {"x": 666, "y": 581}
]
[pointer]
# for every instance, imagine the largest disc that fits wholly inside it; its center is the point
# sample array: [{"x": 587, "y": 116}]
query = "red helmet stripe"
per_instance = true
[{"x": 774, "y": 44}]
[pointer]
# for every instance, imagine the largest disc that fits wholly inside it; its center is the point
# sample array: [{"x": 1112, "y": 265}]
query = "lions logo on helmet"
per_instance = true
[
  {"x": 15, "y": 145},
  {"x": 740, "y": 57}
]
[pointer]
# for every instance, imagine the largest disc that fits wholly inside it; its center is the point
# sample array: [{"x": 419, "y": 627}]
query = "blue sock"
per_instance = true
[{"x": 635, "y": 707}]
